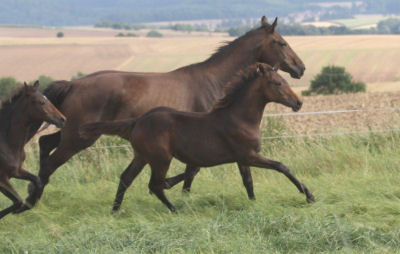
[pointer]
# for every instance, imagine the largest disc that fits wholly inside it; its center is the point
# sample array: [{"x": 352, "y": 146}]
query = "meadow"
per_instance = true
[{"x": 355, "y": 178}]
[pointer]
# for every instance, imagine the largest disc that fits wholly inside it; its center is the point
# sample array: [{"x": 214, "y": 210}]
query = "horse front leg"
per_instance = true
[
  {"x": 247, "y": 180},
  {"x": 257, "y": 160}
]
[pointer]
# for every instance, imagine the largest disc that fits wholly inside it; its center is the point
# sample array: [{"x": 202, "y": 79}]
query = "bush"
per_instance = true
[
  {"x": 43, "y": 80},
  {"x": 79, "y": 74},
  {"x": 334, "y": 80},
  {"x": 60, "y": 34},
  {"x": 7, "y": 85},
  {"x": 154, "y": 33}
]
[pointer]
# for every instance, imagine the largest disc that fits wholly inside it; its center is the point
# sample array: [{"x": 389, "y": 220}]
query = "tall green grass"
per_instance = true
[{"x": 355, "y": 180}]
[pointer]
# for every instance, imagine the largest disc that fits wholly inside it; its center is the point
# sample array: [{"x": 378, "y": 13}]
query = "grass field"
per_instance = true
[{"x": 355, "y": 181}]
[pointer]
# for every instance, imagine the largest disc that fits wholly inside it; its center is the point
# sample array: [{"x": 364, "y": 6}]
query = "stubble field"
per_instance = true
[{"x": 355, "y": 178}]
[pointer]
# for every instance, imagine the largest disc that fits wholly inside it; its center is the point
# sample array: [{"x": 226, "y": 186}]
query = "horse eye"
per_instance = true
[
  {"x": 283, "y": 44},
  {"x": 278, "y": 83},
  {"x": 41, "y": 103}
]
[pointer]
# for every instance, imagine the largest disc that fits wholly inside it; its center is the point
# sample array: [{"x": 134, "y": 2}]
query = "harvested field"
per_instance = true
[
  {"x": 362, "y": 55},
  {"x": 375, "y": 115}
]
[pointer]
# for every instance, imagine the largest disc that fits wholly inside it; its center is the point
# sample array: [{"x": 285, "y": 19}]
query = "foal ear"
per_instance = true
[
  {"x": 264, "y": 21},
  {"x": 273, "y": 26},
  {"x": 260, "y": 69}
]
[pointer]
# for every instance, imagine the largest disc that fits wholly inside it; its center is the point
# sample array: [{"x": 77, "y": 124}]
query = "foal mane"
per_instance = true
[
  {"x": 233, "y": 89},
  {"x": 6, "y": 108}
]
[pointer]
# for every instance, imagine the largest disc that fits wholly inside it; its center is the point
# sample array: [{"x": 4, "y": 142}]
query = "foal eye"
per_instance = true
[
  {"x": 283, "y": 44},
  {"x": 41, "y": 103},
  {"x": 278, "y": 83}
]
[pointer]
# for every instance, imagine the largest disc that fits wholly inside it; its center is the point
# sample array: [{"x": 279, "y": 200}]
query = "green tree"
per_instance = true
[
  {"x": 60, "y": 34},
  {"x": 78, "y": 75},
  {"x": 44, "y": 81},
  {"x": 154, "y": 33},
  {"x": 334, "y": 80},
  {"x": 7, "y": 86}
]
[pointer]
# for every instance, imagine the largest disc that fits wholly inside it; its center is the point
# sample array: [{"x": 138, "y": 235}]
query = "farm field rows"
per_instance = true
[{"x": 369, "y": 58}]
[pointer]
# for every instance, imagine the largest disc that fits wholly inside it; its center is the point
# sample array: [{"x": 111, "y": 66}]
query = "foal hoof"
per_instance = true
[
  {"x": 310, "y": 198},
  {"x": 22, "y": 208}
]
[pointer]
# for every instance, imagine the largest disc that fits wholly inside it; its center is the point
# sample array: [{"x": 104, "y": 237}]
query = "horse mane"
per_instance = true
[
  {"x": 227, "y": 45},
  {"x": 233, "y": 89},
  {"x": 6, "y": 108}
]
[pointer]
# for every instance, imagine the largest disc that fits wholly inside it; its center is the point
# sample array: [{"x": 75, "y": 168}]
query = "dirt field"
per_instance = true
[
  {"x": 377, "y": 113},
  {"x": 27, "y": 53}
]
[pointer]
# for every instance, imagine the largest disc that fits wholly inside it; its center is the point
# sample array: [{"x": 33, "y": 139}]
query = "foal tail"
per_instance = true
[{"x": 121, "y": 128}]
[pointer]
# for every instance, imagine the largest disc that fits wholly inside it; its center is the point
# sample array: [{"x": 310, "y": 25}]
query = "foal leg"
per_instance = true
[
  {"x": 259, "y": 161},
  {"x": 247, "y": 180},
  {"x": 35, "y": 181},
  {"x": 157, "y": 182},
  {"x": 190, "y": 173},
  {"x": 46, "y": 144},
  {"x": 7, "y": 189},
  {"x": 68, "y": 147},
  {"x": 188, "y": 176},
  {"x": 127, "y": 177}
]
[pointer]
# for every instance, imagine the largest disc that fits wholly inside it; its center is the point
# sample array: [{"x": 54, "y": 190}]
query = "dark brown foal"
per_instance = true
[
  {"x": 229, "y": 133},
  {"x": 16, "y": 117}
]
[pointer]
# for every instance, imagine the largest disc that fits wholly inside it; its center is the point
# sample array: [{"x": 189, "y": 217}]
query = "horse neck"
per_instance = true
[
  {"x": 211, "y": 75},
  {"x": 248, "y": 107},
  {"x": 16, "y": 130}
]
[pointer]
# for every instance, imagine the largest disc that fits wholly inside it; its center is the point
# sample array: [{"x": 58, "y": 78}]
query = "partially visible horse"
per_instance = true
[
  {"x": 116, "y": 95},
  {"x": 228, "y": 133},
  {"x": 27, "y": 106}
]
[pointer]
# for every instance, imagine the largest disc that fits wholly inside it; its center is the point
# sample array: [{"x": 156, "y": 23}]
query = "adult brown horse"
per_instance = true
[
  {"x": 114, "y": 95},
  {"x": 16, "y": 116},
  {"x": 228, "y": 133}
]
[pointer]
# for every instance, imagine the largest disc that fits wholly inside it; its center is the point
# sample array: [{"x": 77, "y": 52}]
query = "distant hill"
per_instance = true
[{"x": 88, "y": 12}]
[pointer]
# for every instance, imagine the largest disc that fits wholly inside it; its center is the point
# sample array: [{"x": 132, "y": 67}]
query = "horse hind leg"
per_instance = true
[
  {"x": 157, "y": 182},
  {"x": 127, "y": 177},
  {"x": 8, "y": 190}
]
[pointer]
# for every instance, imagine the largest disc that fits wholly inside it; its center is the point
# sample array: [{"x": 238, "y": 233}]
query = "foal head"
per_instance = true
[
  {"x": 39, "y": 108},
  {"x": 275, "y": 88}
]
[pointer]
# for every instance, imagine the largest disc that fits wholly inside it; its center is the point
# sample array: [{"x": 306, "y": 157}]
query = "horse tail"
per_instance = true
[
  {"x": 121, "y": 128},
  {"x": 56, "y": 93}
]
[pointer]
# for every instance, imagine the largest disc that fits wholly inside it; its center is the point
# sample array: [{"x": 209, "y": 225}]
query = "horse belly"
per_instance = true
[{"x": 202, "y": 151}]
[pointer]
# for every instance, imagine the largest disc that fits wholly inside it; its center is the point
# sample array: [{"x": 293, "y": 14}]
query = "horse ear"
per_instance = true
[
  {"x": 260, "y": 69},
  {"x": 264, "y": 21},
  {"x": 273, "y": 26},
  {"x": 36, "y": 84}
]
